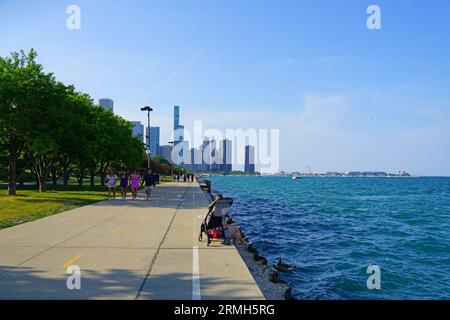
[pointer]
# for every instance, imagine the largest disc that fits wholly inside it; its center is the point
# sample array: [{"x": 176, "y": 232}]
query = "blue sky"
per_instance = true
[{"x": 344, "y": 97}]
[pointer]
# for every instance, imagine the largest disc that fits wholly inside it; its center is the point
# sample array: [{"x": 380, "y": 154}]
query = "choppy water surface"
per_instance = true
[{"x": 332, "y": 229}]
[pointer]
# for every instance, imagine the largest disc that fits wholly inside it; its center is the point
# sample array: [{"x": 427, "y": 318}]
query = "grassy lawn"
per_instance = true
[{"x": 30, "y": 205}]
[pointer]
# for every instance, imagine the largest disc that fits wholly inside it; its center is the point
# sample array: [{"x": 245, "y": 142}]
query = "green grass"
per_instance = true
[{"x": 30, "y": 205}]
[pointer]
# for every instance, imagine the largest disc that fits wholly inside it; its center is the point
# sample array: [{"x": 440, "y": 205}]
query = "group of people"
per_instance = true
[
  {"x": 188, "y": 177},
  {"x": 132, "y": 181}
]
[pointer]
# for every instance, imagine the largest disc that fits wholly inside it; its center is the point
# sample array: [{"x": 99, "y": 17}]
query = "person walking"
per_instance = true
[
  {"x": 124, "y": 185},
  {"x": 111, "y": 184},
  {"x": 149, "y": 182},
  {"x": 134, "y": 183}
]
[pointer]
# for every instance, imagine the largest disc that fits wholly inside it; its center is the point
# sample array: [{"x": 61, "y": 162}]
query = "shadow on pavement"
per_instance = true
[{"x": 32, "y": 284}]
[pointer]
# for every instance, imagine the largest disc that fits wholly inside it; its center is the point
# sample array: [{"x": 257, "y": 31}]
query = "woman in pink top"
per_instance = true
[{"x": 134, "y": 183}]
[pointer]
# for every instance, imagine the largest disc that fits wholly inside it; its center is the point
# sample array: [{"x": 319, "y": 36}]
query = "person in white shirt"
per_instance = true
[{"x": 111, "y": 184}]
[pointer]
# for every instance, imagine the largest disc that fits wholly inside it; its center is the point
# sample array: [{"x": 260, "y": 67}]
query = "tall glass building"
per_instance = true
[
  {"x": 107, "y": 104},
  {"x": 138, "y": 130},
  {"x": 154, "y": 141},
  {"x": 166, "y": 152},
  {"x": 224, "y": 156},
  {"x": 250, "y": 159},
  {"x": 176, "y": 117}
]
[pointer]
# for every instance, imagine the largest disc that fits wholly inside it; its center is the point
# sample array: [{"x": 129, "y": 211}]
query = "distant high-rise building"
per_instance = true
[
  {"x": 213, "y": 155},
  {"x": 224, "y": 156},
  {"x": 179, "y": 134},
  {"x": 176, "y": 117},
  {"x": 107, "y": 104},
  {"x": 138, "y": 130},
  {"x": 166, "y": 152},
  {"x": 154, "y": 141},
  {"x": 250, "y": 159},
  {"x": 183, "y": 153},
  {"x": 196, "y": 160},
  {"x": 206, "y": 154}
]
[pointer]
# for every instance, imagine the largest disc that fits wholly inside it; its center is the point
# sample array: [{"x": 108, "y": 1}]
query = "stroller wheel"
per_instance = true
[{"x": 208, "y": 241}]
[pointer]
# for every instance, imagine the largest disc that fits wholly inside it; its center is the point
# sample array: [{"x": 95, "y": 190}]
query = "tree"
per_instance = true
[
  {"x": 42, "y": 142},
  {"x": 23, "y": 88},
  {"x": 75, "y": 134},
  {"x": 52, "y": 128}
]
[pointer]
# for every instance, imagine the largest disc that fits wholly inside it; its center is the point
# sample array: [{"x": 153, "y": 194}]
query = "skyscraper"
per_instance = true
[
  {"x": 107, "y": 104},
  {"x": 196, "y": 160},
  {"x": 178, "y": 130},
  {"x": 138, "y": 130},
  {"x": 176, "y": 117},
  {"x": 166, "y": 152},
  {"x": 224, "y": 156},
  {"x": 250, "y": 159},
  {"x": 206, "y": 154},
  {"x": 154, "y": 141},
  {"x": 179, "y": 134}
]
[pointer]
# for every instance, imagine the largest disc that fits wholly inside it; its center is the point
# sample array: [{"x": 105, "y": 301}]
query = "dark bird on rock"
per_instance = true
[{"x": 280, "y": 266}]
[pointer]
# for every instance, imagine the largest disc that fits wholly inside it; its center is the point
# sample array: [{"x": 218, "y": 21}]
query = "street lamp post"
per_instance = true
[{"x": 148, "y": 109}]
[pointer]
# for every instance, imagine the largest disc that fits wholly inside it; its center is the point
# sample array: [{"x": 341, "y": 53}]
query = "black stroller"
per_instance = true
[{"x": 215, "y": 219}]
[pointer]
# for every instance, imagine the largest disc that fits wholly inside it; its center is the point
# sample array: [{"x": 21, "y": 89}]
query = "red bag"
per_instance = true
[{"x": 214, "y": 233}]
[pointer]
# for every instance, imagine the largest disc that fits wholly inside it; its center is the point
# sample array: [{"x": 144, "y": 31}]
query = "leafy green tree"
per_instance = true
[
  {"x": 23, "y": 92},
  {"x": 75, "y": 134},
  {"x": 51, "y": 128},
  {"x": 42, "y": 144}
]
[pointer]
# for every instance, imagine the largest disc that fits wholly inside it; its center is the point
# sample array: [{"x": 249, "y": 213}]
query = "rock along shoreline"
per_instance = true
[{"x": 267, "y": 277}]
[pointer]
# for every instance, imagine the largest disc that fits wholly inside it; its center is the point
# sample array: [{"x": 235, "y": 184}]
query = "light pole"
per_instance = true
[
  {"x": 148, "y": 109},
  {"x": 171, "y": 164}
]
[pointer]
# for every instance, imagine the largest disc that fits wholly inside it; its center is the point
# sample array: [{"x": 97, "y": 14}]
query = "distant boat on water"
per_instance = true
[{"x": 296, "y": 177}]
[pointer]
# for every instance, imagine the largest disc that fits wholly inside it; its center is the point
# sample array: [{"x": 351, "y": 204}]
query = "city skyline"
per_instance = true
[
  {"x": 335, "y": 89},
  {"x": 225, "y": 158}
]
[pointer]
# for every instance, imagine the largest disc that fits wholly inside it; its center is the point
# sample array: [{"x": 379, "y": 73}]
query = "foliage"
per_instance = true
[{"x": 51, "y": 129}]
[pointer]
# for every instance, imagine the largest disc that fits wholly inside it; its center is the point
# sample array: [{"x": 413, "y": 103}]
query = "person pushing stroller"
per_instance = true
[{"x": 218, "y": 210}]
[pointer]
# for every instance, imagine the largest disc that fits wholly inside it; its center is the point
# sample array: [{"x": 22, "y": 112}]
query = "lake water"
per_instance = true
[{"x": 331, "y": 229}]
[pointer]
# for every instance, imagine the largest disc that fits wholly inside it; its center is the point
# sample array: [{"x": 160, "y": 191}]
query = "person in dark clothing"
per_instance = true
[{"x": 149, "y": 182}]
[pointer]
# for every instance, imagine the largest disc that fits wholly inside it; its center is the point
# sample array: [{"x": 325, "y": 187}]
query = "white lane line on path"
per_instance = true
[
  {"x": 196, "y": 292},
  {"x": 155, "y": 256},
  {"x": 196, "y": 295}
]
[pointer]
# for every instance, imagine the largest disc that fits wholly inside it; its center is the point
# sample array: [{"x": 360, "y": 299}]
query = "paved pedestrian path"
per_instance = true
[{"x": 124, "y": 249}]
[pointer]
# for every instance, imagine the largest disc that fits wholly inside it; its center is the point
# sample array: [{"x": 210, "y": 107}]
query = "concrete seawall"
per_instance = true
[
  {"x": 125, "y": 250},
  {"x": 267, "y": 278}
]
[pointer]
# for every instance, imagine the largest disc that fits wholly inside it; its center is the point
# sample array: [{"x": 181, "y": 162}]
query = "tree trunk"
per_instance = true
[
  {"x": 54, "y": 176},
  {"x": 66, "y": 173},
  {"x": 102, "y": 174},
  {"x": 81, "y": 177},
  {"x": 42, "y": 169},
  {"x": 42, "y": 184},
  {"x": 92, "y": 177},
  {"x": 12, "y": 169},
  {"x": 19, "y": 177}
]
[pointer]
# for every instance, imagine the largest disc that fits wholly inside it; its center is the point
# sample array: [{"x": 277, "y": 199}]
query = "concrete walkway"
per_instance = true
[{"x": 126, "y": 250}]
